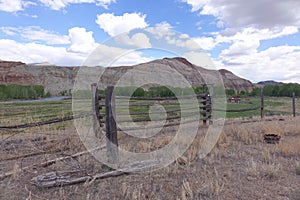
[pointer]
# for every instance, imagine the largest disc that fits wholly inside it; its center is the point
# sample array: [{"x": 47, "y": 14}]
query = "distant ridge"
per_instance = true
[
  {"x": 269, "y": 82},
  {"x": 41, "y": 64}
]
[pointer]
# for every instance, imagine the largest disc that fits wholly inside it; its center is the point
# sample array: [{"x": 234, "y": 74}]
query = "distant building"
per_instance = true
[{"x": 234, "y": 100}]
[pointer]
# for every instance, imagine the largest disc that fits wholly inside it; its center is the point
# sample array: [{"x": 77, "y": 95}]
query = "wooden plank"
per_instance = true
[
  {"x": 262, "y": 114},
  {"x": 111, "y": 127},
  {"x": 294, "y": 105},
  {"x": 95, "y": 110}
]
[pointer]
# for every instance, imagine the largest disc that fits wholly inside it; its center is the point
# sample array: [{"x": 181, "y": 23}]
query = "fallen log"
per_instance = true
[{"x": 63, "y": 178}]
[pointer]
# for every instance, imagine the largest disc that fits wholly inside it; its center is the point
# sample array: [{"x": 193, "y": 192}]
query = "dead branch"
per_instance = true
[{"x": 49, "y": 162}]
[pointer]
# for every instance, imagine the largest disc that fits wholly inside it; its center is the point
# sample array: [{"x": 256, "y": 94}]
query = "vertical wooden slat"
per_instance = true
[
  {"x": 294, "y": 105},
  {"x": 262, "y": 115},
  {"x": 111, "y": 127},
  {"x": 95, "y": 110}
]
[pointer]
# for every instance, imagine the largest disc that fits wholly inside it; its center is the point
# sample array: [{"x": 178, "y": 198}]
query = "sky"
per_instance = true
[{"x": 257, "y": 40}]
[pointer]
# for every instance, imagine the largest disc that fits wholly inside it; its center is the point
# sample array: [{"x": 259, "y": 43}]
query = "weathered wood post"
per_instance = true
[
  {"x": 96, "y": 110},
  {"x": 111, "y": 127},
  {"x": 294, "y": 105},
  {"x": 211, "y": 95},
  {"x": 205, "y": 98},
  {"x": 262, "y": 114}
]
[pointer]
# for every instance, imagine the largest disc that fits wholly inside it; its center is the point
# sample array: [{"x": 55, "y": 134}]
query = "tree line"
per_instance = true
[
  {"x": 280, "y": 90},
  {"x": 284, "y": 90},
  {"x": 158, "y": 91},
  {"x": 155, "y": 91},
  {"x": 8, "y": 92}
]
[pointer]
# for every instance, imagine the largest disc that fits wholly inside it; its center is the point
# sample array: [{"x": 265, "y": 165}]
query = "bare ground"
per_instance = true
[{"x": 241, "y": 166}]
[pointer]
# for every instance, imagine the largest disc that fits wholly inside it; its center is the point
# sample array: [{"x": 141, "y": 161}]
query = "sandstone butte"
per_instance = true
[{"x": 56, "y": 79}]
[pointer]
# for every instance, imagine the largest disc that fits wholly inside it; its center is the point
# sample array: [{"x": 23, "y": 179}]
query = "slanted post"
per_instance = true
[
  {"x": 294, "y": 105},
  {"x": 111, "y": 127},
  {"x": 96, "y": 110},
  {"x": 204, "y": 104},
  {"x": 262, "y": 115}
]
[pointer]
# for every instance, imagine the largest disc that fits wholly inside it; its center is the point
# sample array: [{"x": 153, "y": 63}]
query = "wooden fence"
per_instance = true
[
  {"x": 201, "y": 112},
  {"x": 108, "y": 101}
]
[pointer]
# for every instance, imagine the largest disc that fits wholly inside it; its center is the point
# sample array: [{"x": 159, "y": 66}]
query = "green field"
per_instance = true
[
  {"x": 14, "y": 113},
  {"x": 272, "y": 106}
]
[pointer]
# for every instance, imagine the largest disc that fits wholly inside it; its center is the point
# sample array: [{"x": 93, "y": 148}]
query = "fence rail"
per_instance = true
[
  {"x": 41, "y": 123},
  {"x": 163, "y": 98},
  {"x": 165, "y": 125},
  {"x": 239, "y": 110}
]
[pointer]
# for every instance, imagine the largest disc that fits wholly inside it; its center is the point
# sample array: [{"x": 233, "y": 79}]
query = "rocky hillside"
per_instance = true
[{"x": 56, "y": 79}]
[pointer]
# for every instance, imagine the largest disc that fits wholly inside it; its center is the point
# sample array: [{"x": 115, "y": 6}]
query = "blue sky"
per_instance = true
[{"x": 257, "y": 40}]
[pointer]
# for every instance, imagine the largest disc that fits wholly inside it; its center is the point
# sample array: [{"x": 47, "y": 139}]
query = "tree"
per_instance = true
[{"x": 230, "y": 92}]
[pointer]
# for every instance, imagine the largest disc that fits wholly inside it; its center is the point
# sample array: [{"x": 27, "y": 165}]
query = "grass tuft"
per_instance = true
[{"x": 297, "y": 168}]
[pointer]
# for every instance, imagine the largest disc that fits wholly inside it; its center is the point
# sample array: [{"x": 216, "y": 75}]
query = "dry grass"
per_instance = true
[
  {"x": 271, "y": 170},
  {"x": 240, "y": 163},
  {"x": 288, "y": 148},
  {"x": 297, "y": 168}
]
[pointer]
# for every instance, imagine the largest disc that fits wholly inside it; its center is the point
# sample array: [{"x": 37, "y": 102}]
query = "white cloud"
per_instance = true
[
  {"x": 165, "y": 31},
  {"x": 277, "y": 63},
  {"x": 115, "y": 25},
  {"x": 108, "y": 56},
  {"x": 201, "y": 59},
  {"x": 59, "y": 4},
  {"x": 160, "y": 30},
  {"x": 245, "y": 47},
  {"x": 196, "y": 4},
  {"x": 33, "y": 53},
  {"x": 14, "y": 5},
  {"x": 138, "y": 40},
  {"x": 81, "y": 44},
  {"x": 229, "y": 35},
  {"x": 35, "y": 33},
  {"x": 206, "y": 43},
  {"x": 244, "y": 58},
  {"x": 81, "y": 40},
  {"x": 258, "y": 13}
]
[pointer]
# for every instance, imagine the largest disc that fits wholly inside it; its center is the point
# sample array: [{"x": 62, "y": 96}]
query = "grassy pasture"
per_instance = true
[{"x": 14, "y": 113}]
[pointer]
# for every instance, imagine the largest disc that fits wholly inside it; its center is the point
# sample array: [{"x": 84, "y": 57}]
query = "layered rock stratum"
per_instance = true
[{"x": 57, "y": 79}]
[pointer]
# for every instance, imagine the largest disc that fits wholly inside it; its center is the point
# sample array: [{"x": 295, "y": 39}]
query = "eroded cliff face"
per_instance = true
[
  {"x": 194, "y": 74},
  {"x": 57, "y": 79}
]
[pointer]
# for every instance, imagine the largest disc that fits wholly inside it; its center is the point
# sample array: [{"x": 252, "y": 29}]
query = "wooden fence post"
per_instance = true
[
  {"x": 111, "y": 127},
  {"x": 96, "y": 110},
  {"x": 211, "y": 94},
  {"x": 262, "y": 114},
  {"x": 294, "y": 105},
  {"x": 204, "y": 104}
]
